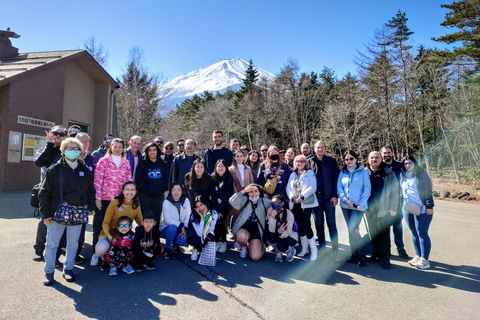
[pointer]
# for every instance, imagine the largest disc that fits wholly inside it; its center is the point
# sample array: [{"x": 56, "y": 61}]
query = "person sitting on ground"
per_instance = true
[
  {"x": 282, "y": 229},
  {"x": 251, "y": 222},
  {"x": 201, "y": 226},
  {"x": 120, "y": 253},
  {"x": 146, "y": 243},
  {"x": 176, "y": 214}
]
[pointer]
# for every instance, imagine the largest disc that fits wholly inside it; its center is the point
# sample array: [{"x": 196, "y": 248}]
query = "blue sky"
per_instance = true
[{"x": 179, "y": 36}]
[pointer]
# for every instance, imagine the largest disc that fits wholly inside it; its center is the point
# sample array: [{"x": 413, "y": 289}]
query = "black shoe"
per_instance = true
[
  {"x": 353, "y": 259},
  {"x": 149, "y": 265},
  {"x": 167, "y": 254},
  {"x": 176, "y": 249},
  {"x": 373, "y": 259},
  {"x": 403, "y": 254},
  {"x": 69, "y": 276},
  {"x": 38, "y": 256},
  {"x": 79, "y": 260},
  {"x": 362, "y": 261},
  {"x": 105, "y": 266},
  {"x": 386, "y": 264},
  {"x": 58, "y": 264},
  {"x": 48, "y": 280}
]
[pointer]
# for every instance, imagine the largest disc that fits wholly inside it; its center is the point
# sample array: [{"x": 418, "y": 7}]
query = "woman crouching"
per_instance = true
[
  {"x": 282, "y": 229},
  {"x": 201, "y": 226}
]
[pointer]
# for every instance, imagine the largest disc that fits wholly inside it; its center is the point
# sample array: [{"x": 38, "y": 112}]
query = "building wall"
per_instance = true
[{"x": 39, "y": 95}]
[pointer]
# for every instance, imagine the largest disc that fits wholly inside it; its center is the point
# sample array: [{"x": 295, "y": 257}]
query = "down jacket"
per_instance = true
[
  {"x": 308, "y": 186},
  {"x": 109, "y": 179}
]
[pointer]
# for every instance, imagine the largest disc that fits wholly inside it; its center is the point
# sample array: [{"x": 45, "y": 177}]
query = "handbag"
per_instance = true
[
  {"x": 34, "y": 200},
  {"x": 271, "y": 184},
  {"x": 208, "y": 257},
  {"x": 366, "y": 246},
  {"x": 67, "y": 213},
  {"x": 310, "y": 199},
  {"x": 413, "y": 208}
]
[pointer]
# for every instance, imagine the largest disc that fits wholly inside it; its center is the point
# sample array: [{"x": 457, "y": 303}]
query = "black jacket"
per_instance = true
[
  {"x": 330, "y": 171},
  {"x": 179, "y": 168},
  {"x": 78, "y": 188},
  {"x": 151, "y": 177},
  {"x": 223, "y": 192}
]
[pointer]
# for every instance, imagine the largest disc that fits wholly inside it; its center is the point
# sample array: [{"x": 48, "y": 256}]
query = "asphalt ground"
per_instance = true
[{"x": 241, "y": 289}]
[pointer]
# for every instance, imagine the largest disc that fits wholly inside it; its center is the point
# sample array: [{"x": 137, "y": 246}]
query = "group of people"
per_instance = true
[{"x": 262, "y": 198}]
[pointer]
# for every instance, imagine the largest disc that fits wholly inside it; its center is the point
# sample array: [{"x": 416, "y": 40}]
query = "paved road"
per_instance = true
[{"x": 241, "y": 289}]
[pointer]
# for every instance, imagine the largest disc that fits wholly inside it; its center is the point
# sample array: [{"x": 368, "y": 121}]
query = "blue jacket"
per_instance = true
[
  {"x": 130, "y": 159},
  {"x": 355, "y": 187}
]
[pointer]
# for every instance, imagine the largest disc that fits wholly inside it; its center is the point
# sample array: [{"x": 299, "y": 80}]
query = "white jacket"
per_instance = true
[
  {"x": 171, "y": 215},
  {"x": 308, "y": 186}
]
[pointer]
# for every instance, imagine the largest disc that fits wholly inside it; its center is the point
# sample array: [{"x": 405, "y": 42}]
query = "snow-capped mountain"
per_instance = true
[{"x": 223, "y": 75}]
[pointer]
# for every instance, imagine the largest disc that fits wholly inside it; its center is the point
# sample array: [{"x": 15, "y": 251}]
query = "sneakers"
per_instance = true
[
  {"x": 79, "y": 260},
  {"x": 414, "y": 261},
  {"x": 236, "y": 245},
  {"x": 336, "y": 256},
  {"x": 217, "y": 246},
  {"x": 69, "y": 276},
  {"x": 149, "y": 265},
  {"x": 243, "y": 252},
  {"x": 223, "y": 247},
  {"x": 128, "y": 269},
  {"x": 279, "y": 257},
  {"x": 176, "y": 249},
  {"x": 105, "y": 266},
  {"x": 423, "y": 264},
  {"x": 290, "y": 254},
  {"x": 194, "y": 255},
  {"x": 113, "y": 272},
  {"x": 38, "y": 257},
  {"x": 95, "y": 260},
  {"x": 48, "y": 280},
  {"x": 167, "y": 254},
  {"x": 402, "y": 253}
]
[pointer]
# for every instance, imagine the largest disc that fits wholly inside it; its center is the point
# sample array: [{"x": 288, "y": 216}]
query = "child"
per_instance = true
[
  {"x": 201, "y": 225},
  {"x": 146, "y": 243},
  {"x": 120, "y": 253}
]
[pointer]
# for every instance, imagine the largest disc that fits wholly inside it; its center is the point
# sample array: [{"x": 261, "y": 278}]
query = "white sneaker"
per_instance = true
[
  {"x": 223, "y": 247},
  {"x": 423, "y": 264},
  {"x": 217, "y": 246},
  {"x": 290, "y": 254},
  {"x": 279, "y": 257},
  {"x": 236, "y": 245},
  {"x": 95, "y": 260},
  {"x": 414, "y": 261},
  {"x": 194, "y": 255},
  {"x": 243, "y": 252}
]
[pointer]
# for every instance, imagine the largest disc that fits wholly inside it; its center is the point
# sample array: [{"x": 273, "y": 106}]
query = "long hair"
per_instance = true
[
  {"x": 269, "y": 160},
  {"x": 234, "y": 162},
  {"x": 283, "y": 219},
  {"x": 416, "y": 169},
  {"x": 121, "y": 197},
  {"x": 226, "y": 175},
  {"x": 109, "y": 151},
  {"x": 259, "y": 188},
  {"x": 193, "y": 177},
  {"x": 247, "y": 161},
  {"x": 151, "y": 144},
  {"x": 353, "y": 154},
  {"x": 202, "y": 199}
]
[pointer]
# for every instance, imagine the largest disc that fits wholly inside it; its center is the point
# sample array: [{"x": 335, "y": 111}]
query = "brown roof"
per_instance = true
[{"x": 11, "y": 68}]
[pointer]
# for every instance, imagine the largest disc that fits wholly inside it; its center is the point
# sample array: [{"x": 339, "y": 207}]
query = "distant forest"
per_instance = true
[{"x": 421, "y": 101}]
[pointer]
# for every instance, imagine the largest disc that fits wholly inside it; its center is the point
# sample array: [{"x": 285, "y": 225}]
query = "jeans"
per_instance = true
[
  {"x": 353, "y": 218},
  {"x": 98, "y": 221},
  {"x": 172, "y": 236},
  {"x": 54, "y": 234},
  {"x": 41, "y": 239},
  {"x": 419, "y": 225},
  {"x": 325, "y": 206}
]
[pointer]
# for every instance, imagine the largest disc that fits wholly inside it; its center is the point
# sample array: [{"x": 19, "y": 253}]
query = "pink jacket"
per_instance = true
[{"x": 109, "y": 179}]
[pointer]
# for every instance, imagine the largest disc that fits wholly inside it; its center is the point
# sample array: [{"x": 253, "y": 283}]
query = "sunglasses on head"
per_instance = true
[
  {"x": 349, "y": 159},
  {"x": 61, "y": 134},
  {"x": 127, "y": 225}
]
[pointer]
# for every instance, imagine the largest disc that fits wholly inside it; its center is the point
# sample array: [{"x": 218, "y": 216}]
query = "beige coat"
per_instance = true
[{"x": 237, "y": 178}]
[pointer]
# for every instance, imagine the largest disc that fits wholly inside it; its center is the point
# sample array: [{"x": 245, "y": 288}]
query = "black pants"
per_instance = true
[
  {"x": 139, "y": 258},
  {"x": 380, "y": 234},
  {"x": 196, "y": 241},
  {"x": 282, "y": 244},
  {"x": 302, "y": 217},
  {"x": 220, "y": 226},
  {"x": 153, "y": 204},
  {"x": 98, "y": 218}
]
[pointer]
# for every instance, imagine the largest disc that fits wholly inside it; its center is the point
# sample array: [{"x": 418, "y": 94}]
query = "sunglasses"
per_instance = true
[
  {"x": 349, "y": 159},
  {"x": 160, "y": 142},
  {"x": 168, "y": 148},
  {"x": 127, "y": 225},
  {"x": 264, "y": 150},
  {"x": 181, "y": 145},
  {"x": 301, "y": 161},
  {"x": 61, "y": 134},
  {"x": 109, "y": 139}
]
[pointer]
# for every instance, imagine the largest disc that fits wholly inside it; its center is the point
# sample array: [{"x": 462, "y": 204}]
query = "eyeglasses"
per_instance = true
[
  {"x": 181, "y": 145},
  {"x": 168, "y": 148},
  {"x": 72, "y": 149},
  {"x": 349, "y": 159},
  {"x": 160, "y": 142},
  {"x": 408, "y": 163},
  {"x": 127, "y": 225},
  {"x": 301, "y": 161},
  {"x": 264, "y": 150},
  {"x": 61, "y": 134}
]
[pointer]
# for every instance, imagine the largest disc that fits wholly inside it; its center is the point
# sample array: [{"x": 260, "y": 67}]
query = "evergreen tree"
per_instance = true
[{"x": 251, "y": 76}]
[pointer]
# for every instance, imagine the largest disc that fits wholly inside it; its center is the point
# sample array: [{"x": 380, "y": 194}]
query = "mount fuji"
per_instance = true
[{"x": 218, "y": 77}]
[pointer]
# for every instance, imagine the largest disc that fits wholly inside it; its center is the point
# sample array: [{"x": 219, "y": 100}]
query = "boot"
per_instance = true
[
  {"x": 362, "y": 261},
  {"x": 304, "y": 242},
  {"x": 313, "y": 249}
]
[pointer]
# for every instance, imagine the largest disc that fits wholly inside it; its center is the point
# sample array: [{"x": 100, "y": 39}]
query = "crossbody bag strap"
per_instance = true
[{"x": 60, "y": 178}]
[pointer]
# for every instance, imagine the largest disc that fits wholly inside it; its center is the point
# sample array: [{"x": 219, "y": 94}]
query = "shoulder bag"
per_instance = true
[{"x": 271, "y": 184}]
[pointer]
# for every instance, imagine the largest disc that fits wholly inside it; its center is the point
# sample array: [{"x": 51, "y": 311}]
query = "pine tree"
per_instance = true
[{"x": 251, "y": 76}]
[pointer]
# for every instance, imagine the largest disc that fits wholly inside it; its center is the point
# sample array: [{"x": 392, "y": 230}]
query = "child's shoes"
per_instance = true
[
  {"x": 128, "y": 269},
  {"x": 113, "y": 272}
]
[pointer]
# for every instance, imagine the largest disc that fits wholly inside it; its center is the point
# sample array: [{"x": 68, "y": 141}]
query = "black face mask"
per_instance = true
[{"x": 274, "y": 157}]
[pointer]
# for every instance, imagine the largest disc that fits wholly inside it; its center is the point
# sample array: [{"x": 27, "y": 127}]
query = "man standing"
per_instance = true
[
  {"x": 182, "y": 164},
  {"x": 382, "y": 204},
  {"x": 159, "y": 142},
  {"x": 134, "y": 156},
  {"x": 234, "y": 145},
  {"x": 326, "y": 171},
  {"x": 168, "y": 157},
  {"x": 102, "y": 150},
  {"x": 44, "y": 158},
  {"x": 396, "y": 166},
  {"x": 218, "y": 151},
  {"x": 306, "y": 150},
  {"x": 180, "y": 147},
  {"x": 264, "y": 151}
]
